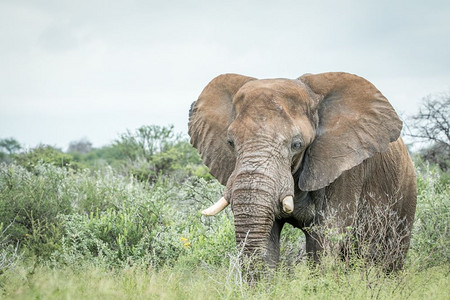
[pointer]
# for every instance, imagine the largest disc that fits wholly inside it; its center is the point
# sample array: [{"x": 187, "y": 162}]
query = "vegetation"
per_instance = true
[
  {"x": 123, "y": 221},
  {"x": 431, "y": 126},
  {"x": 8, "y": 147}
]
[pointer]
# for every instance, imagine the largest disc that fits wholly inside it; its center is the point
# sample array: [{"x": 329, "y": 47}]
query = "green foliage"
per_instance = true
[
  {"x": 81, "y": 146},
  {"x": 150, "y": 227},
  {"x": 437, "y": 153},
  {"x": 152, "y": 151},
  {"x": 146, "y": 141},
  {"x": 127, "y": 231},
  {"x": 115, "y": 238},
  {"x": 99, "y": 158},
  {"x": 179, "y": 160},
  {"x": 45, "y": 154},
  {"x": 431, "y": 126},
  {"x": 30, "y": 203},
  {"x": 90, "y": 281},
  {"x": 146, "y": 154},
  {"x": 430, "y": 244},
  {"x": 108, "y": 217},
  {"x": 130, "y": 223},
  {"x": 8, "y": 147},
  {"x": 8, "y": 252}
]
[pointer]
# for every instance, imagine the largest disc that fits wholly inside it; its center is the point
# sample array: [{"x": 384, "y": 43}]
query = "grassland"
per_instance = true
[{"x": 129, "y": 230}]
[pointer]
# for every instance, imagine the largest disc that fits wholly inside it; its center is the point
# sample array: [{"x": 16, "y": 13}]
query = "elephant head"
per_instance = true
[{"x": 268, "y": 140}]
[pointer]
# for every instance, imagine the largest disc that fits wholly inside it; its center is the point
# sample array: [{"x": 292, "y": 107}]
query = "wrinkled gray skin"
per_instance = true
[{"x": 330, "y": 140}]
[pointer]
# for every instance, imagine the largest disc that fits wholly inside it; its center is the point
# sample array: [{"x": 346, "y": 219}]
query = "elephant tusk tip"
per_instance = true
[
  {"x": 288, "y": 204},
  {"x": 205, "y": 213},
  {"x": 215, "y": 208}
]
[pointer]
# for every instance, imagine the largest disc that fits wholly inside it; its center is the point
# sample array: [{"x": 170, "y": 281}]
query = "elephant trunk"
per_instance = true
[
  {"x": 257, "y": 235},
  {"x": 256, "y": 200}
]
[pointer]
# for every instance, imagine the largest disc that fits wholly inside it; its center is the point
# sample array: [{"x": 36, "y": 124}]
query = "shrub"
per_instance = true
[
  {"x": 57, "y": 213},
  {"x": 430, "y": 245},
  {"x": 146, "y": 141},
  {"x": 431, "y": 126},
  {"x": 152, "y": 151},
  {"x": 8, "y": 147},
  {"x": 146, "y": 154},
  {"x": 178, "y": 161},
  {"x": 110, "y": 217},
  {"x": 31, "y": 203},
  {"x": 157, "y": 225},
  {"x": 133, "y": 226},
  {"x": 117, "y": 238},
  {"x": 45, "y": 154},
  {"x": 8, "y": 252}
]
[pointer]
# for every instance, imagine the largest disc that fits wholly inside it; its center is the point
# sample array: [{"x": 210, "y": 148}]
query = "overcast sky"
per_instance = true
[{"x": 74, "y": 69}]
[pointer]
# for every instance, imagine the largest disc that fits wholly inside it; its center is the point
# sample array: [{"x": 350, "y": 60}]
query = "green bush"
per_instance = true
[
  {"x": 127, "y": 220},
  {"x": 146, "y": 141},
  {"x": 8, "y": 148},
  {"x": 133, "y": 227},
  {"x": 8, "y": 252},
  {"x": 147, "y": 153},
  {"x": 144, "y": 211},
  {"x": 152, "y": 151},
  {"x": 45, "y": 154},
  {"x": 178, "y": 160},
  {"x": 105, "y": 216},
  {"x": 116, "y": 238},
  {"x": 99, "y": 158},
  {"x": 430, "y": 244},
  {"x": 31, "y": 203},
  {"x": 159, "y": 225}
]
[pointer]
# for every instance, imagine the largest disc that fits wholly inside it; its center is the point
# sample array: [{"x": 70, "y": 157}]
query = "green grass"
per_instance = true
[{"x": 182, "y": 282}]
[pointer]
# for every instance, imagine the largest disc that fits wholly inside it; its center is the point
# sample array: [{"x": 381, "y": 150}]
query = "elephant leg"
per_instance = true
[{"x": 314, "y": 245}]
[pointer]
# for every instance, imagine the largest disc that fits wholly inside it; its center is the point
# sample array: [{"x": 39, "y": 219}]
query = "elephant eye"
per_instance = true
[
  {"x": 296, "y": 145},
  {"x": 230, "y": 142}
]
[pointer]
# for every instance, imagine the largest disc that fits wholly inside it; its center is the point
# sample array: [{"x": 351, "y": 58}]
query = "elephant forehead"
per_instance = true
[
  {"x": 263, "y": 115},
  {"x": 276, "y": 95}
]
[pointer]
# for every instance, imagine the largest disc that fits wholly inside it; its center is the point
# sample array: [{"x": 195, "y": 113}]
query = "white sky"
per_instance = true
[{"x": 74, "y": 69}]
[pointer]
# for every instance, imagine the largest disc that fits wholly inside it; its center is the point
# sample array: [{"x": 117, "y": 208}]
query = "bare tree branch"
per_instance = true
[{"x": 432, "y": 124}]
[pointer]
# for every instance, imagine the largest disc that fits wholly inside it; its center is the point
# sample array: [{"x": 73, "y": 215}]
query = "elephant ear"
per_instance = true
[
  {"x": 209, "y": 119},
  {"x": 355, "y": 122}
]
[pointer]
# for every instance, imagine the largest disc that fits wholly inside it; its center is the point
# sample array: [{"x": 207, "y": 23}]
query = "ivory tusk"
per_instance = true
[
  {"x": 288, "y": 204},
  {"x": 216, "y": 207}
]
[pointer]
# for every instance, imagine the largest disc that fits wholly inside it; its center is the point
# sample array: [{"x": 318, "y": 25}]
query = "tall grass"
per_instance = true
[
  {"x": 181, "y": 282},
  {"x": 430, "y": 244}
]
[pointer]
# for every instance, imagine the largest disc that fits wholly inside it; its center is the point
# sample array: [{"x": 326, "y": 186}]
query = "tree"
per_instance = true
[
  {"x": 8, "y": 147},
  {"x": 432, "y": 125},
  {"x": 81, "y": 146},
  {"x": 146, "y": 141},
  {"x": 45, "y": 154},
  {"x": 151, "y": 151}
]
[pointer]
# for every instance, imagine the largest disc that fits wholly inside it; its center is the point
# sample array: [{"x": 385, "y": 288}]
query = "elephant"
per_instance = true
[{"x": 296, "y": 150}]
